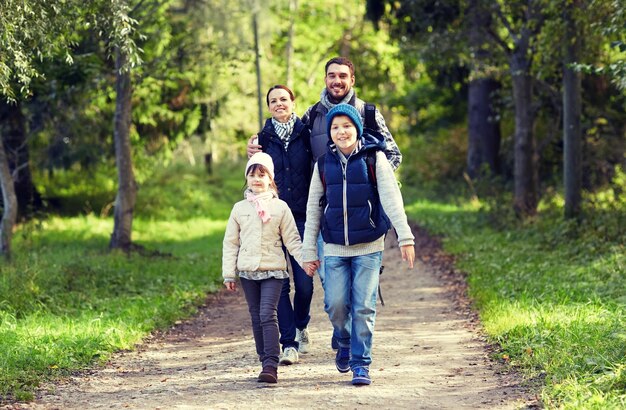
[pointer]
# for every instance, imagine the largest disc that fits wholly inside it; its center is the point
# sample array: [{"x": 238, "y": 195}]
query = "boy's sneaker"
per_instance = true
[
  {"x": 361, "y": 376},
  {"x": 302, "y": 336},
  {"x": 342, "y": 359},
  {"x": 269, "y": 374},
  {"x": 334, "y": 343},
  {"x": 289, "y": 356}
]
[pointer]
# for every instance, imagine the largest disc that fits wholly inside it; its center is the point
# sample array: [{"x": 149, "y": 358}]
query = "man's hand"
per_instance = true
[
  {"x": 408, "y": 254},
  {"x": 253, "y": 147}
]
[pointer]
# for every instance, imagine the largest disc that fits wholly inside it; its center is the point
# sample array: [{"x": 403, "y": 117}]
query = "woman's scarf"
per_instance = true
[
  {"x": 284, "y": 129},
  {"x": 261, "y": 203}
]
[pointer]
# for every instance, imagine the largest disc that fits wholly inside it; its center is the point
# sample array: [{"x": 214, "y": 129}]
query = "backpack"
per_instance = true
[
  {"x": 370, "y": 116},
  {"x": 370, "y": 160}
]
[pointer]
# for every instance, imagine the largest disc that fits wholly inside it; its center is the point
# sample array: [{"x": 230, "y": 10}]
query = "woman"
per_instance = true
[{"x": 286, "y": 139}]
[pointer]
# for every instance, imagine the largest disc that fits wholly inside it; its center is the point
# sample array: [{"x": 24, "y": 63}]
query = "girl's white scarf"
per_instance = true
[{"x": 261, "y": 203}]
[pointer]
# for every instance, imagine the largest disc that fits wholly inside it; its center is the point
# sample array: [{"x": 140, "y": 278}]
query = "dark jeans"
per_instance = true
[
  {"x": 297, "y": 315},
  {"x": 262, "y": 297}
]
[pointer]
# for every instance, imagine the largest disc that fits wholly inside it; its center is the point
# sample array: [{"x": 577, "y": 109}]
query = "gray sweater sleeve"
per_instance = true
[
  {"x": 313, "y": 218},
  {"x": 391, "y": 199}
]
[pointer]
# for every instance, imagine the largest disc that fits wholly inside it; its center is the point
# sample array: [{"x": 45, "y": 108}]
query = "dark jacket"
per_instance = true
[
  {"x": 293, "y": 167},
  {"x": 353, "y": 213}
]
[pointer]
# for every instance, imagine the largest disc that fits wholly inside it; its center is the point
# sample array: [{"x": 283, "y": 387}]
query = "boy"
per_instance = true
[{"x": 353, "y": 205}]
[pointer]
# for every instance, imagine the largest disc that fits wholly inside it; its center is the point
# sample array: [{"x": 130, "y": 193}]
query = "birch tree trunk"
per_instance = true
[
  {"x": 9, "y": 204},
  {"x": 127, "y": 186}
]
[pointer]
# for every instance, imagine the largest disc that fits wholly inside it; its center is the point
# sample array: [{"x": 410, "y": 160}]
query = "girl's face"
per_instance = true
[
  {"x": 258, "y": 181},
  {"x": 343, "y": 133},
  {"x": 280, "y": 104}
]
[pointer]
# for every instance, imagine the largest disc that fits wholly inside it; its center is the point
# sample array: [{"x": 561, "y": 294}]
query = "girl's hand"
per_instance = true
[
  {"x": 232, "y": 286},
  {"x": 408, "y": 254}
]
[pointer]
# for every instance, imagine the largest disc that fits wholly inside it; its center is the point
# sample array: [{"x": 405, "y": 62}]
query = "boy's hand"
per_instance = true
[
  {"x": 232, "y": 286},
  {"x": 311, "y": 267},
  {"x": 253, "y": 147},
  {"x": 408, "y": 254}
]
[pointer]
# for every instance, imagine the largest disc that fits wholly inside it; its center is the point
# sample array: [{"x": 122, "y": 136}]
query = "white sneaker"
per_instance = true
[
  {"x": 289, "y": 356},
  {"x": 302, "y": 336}
]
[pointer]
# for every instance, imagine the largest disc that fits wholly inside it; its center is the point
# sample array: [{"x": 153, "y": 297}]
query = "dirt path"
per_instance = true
[{"x": 427, "y": 355}]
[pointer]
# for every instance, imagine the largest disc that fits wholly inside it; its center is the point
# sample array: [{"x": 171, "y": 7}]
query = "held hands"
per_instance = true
[
  {"x": 232, "y": 286},
  {"x": 408, "y": 254},
  {"x": 311, "y": 267},
  {"x": 253, "y": 147}
]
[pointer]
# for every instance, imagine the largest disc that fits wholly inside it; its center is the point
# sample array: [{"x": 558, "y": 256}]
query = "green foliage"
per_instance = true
[
  {"x": 67, "y": 303},
  {"x": 549, "y": 291}
]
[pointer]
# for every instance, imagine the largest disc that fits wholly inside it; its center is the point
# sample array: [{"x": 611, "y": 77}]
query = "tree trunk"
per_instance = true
[
  {"x": 9, "y": 204},
  {"x": 293, "y": 7},
  {"x": 483, "y": 126},
  {"x": 572, "y": 155},
  {"x": 525, "y": 170},
  {"x": 16, "y": 150},
  {"x": 255, "y": 28},
  {"x": 127, "y": 189}
]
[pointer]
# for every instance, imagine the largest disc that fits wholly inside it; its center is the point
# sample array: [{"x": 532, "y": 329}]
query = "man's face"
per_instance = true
[{"x": 338, "y": 80}]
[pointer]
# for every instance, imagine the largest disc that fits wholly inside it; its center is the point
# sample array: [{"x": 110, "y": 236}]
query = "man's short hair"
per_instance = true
[{"x": 340, "y": 61}]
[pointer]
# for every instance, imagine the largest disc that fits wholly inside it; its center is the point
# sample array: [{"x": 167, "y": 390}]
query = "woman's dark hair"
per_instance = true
[{"x": 282, "y": 87}]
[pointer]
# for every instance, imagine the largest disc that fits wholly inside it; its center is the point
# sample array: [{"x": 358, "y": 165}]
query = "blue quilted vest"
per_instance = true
[
  {"x": 292, "y": 167},
  {"x": 359, "y": 216}
]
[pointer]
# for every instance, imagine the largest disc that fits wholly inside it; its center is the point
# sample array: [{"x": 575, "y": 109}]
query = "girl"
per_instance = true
[{"x": 257, "y": 228}]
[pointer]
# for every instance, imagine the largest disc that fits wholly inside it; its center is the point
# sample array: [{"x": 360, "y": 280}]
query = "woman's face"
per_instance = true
[
  {"x": 343, "y": 133},
  {"x": 280, "y": 104},
  {"x": 258, "y": 181}
]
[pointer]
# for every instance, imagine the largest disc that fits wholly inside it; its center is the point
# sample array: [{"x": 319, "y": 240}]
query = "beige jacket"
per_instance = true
[{"x": 250, "y": 245}]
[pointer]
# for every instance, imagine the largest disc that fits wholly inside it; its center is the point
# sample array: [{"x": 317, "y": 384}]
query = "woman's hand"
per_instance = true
[{"x": 232, "y": 286}]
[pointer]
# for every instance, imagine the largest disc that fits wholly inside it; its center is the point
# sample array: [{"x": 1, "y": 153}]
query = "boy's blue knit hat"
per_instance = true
[{"x": 348, "y": 110}]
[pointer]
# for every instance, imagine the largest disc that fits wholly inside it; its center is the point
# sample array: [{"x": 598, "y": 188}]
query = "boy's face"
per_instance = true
[{"x": 343, "y": 133}]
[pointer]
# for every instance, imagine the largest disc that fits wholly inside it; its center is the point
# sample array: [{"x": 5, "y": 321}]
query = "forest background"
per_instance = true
[{"x": 120, "y": 118}]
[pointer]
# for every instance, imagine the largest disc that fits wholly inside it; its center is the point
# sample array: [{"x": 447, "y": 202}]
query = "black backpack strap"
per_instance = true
[
  {"x": 312, "y": 116},
  {"x": 370, "y": 116},
  {"x": 320, "y": 168}
]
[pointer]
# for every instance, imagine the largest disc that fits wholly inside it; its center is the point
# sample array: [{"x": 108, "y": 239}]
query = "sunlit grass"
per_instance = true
[
  {"x": 549, "y": 292},
  {"x": 67, "y": 302}
]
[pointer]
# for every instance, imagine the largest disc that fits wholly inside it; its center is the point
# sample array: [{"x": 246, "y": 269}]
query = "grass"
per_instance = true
[
  {"x": 67, "y": 303},
  {"x": 549, "y": 292}
]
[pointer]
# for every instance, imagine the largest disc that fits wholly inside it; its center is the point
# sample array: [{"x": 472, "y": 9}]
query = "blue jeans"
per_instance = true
[
  {"x": 262, "y": 297},
  {"x": 297, "y": 315},
  {"x": 350, "y": 301}
]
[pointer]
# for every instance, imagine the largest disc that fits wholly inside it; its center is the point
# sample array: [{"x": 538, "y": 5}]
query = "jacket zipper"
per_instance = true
[{"x": 345, "y": 204}]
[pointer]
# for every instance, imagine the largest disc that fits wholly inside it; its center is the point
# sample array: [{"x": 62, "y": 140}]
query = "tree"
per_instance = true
[
  {"x": 572, "y": 153},
  {"x": 31, "y": 29},
  {"x": 483, "y": 145},
  {"x": 522, "y": 23}
]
